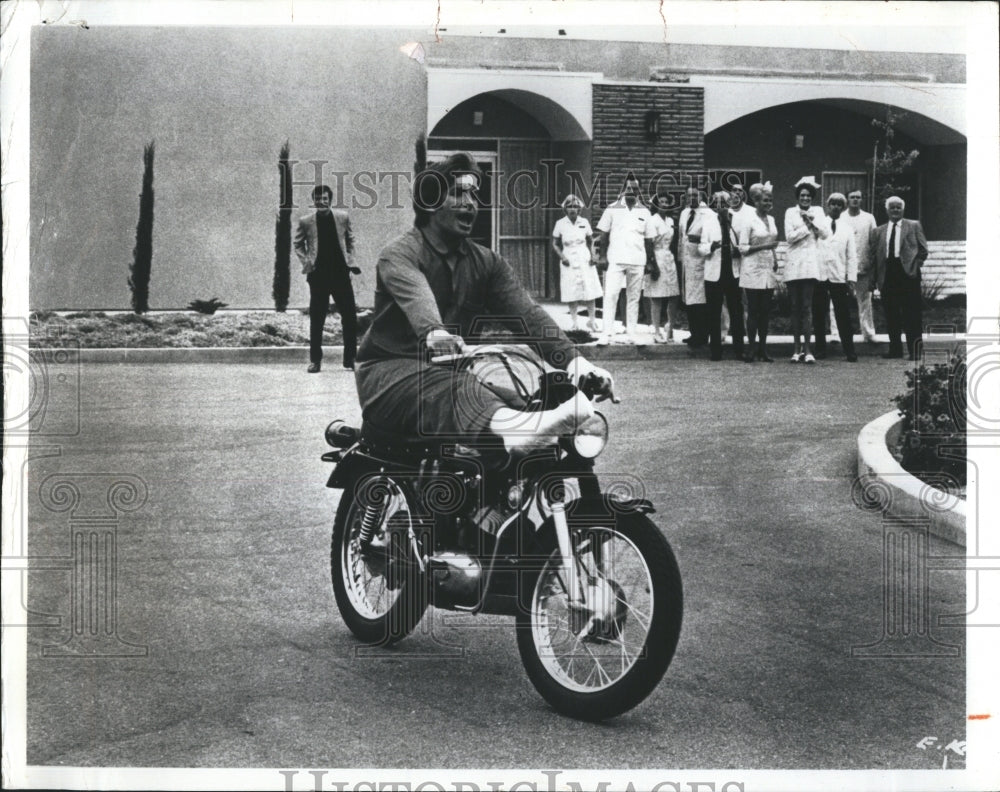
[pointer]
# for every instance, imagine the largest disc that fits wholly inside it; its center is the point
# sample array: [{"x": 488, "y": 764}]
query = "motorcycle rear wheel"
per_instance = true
[
  {"x": 379, "y": 605},
  {"x": 594, "y": 666}
]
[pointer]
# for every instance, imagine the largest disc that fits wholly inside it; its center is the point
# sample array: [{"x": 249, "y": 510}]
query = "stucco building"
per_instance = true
[{"x": 543, "y": 116}]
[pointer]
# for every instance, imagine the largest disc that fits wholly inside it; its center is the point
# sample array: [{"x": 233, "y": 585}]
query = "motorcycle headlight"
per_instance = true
[{"x": 591, "y": 436}]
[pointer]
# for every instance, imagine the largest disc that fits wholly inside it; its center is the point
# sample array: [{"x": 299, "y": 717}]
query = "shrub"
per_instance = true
[
  {"x": 931, "y": 291},
  {"x": 207, "y": 306},
  {"x": 932, "y": 440}
]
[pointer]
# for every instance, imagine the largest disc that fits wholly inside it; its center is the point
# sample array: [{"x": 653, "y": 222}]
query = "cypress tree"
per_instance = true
[
  {"x": 142, "y": 253},
  {"x": 283, "y": 234}
]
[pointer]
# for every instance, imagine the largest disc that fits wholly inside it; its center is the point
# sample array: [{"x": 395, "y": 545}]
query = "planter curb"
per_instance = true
[{"x": 883, "y": 485}]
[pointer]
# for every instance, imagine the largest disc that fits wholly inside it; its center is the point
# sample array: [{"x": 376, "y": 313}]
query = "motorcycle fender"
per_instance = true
[
  {"x": 596, "y": 510},
  {"x": 604, "y": 506},
  {"x": 353, "y": 466}
]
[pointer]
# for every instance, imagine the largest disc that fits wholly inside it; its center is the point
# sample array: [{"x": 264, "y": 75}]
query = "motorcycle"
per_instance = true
[{"x": 592, "y": 583}]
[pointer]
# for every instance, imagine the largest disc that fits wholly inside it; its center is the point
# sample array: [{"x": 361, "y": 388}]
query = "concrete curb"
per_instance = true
[
  {"x": 779, "y": 348},
  {"x": 883, "y": 485}
]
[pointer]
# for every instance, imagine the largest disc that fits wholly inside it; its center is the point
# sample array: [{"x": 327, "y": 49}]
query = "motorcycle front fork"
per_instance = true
[
  {"x": 578, "y": 582},
  {"x": 574, "y": 587}
]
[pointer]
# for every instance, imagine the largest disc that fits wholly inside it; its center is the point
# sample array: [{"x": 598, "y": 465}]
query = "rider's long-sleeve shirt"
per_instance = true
[{"x": 420, "y": 287}]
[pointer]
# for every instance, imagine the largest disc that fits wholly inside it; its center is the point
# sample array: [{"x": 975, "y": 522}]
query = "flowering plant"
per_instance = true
[{"x": 932, "y": 440}]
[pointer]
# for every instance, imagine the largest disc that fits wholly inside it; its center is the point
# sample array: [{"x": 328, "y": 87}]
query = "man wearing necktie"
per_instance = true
[
  {"x": 693, "y": 267},
  {"x": 722, "y": 277},
  {"x": 899, "y": 248}
]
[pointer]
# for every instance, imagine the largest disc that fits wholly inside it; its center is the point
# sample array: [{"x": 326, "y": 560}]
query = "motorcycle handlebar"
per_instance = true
[{"x": 590, "y": 384}]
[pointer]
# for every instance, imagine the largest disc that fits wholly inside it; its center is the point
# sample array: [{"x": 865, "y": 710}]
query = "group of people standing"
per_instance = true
[{"x": 724, "y": 252}]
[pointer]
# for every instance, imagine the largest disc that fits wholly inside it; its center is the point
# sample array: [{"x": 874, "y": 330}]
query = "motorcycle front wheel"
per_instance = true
[
  {"x": 380, "y": 591},
  {"x": 598, "y": 658}
]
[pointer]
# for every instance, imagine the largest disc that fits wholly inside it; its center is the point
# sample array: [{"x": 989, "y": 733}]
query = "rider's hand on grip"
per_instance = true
[
  {"x": 594, "y": 382},
  {"x": 441, "y": 343},
  {"x": 598, "y": 387}
]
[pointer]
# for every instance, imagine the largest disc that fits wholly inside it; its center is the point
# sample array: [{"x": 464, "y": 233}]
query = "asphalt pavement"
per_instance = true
[{"x": 223, "y": 588}]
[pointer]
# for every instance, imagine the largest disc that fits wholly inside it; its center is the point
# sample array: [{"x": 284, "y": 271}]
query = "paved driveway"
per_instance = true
[{"x": 223, "y": 582}]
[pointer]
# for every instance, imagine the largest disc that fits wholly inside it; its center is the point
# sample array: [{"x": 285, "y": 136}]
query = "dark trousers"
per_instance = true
[
  {"x": 902, "y": 302},
  {"x": 823, "y": 292},
  {"x": 697, "y": 315},
  {"x": 758, "y": 315},
  {"x": 434, "y": 401},
  {"x": 726, "y": 288},
  {"x": 323, "y": 285}
]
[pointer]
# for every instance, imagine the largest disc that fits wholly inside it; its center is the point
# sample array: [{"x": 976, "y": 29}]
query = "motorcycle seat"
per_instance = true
[
  {"x": 414, "y": 449},
  {"x": 392, "y": 443}
]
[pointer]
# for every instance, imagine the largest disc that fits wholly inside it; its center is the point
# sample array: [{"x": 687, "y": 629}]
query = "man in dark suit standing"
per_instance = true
[
  {"x": 899, "y": 249},
  {"x": 325, "y": 246}
]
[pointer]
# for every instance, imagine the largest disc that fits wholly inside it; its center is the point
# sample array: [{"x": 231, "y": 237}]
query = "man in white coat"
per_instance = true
[
  {"x": 623, "y": 224},
  {"x": 693, "y": 267},
  {"x": 863, "y": 224},
  {"x": 838, "y": 275}
]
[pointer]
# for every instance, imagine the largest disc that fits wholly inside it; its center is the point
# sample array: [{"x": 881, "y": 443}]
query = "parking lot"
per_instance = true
[{"x": 230, "y": 652}]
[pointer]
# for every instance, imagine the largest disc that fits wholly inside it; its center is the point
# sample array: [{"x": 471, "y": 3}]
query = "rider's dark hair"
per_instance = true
[{"x": 431, "y": 185}]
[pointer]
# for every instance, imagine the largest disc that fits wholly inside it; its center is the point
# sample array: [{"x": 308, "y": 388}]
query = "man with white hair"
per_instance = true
[
  {"x": 862, "y": 223},
  {"x": 722, "y": 276},
  {"x": 899, "y": 249}
]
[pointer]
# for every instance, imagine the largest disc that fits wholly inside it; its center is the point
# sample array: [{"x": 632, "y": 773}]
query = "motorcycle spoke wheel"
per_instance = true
[
  {"x": 598, "y": 656},
  {"x": 592, "y": 659},
  {"x": 380, "y": 591},
  {"x": 366, "y": 585}
]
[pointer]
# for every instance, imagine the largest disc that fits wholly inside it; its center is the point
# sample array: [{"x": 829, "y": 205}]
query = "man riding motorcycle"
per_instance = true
[{"x": 434, "y": 288}]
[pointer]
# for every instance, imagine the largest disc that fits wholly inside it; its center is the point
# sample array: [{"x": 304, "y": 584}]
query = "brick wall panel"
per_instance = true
[{"x": 620, "y": 145}]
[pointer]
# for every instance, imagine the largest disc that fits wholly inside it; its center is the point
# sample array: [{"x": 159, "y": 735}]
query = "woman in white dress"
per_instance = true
[
  {"x": 660, "y": 282},
  {"x": 572, "y": 240},
  {"x": 758, "y": 278},
  {"x": 805, "y": 225}
]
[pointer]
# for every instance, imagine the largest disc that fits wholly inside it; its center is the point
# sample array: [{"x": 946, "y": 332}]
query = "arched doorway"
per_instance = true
[
  {"x": 527, "y": 146},
  {"x": 834, "y": 140}
]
